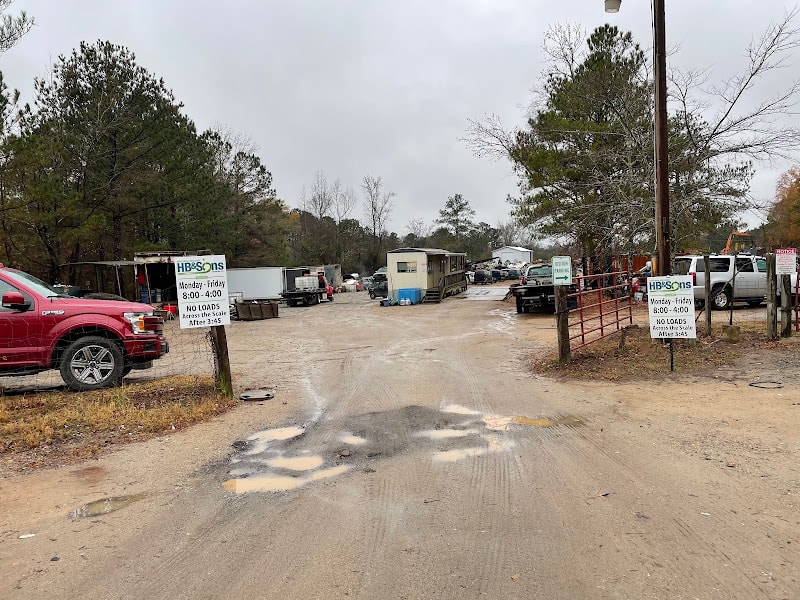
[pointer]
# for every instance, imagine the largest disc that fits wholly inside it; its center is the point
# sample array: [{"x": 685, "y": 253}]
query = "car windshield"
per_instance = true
[{"x": 33, "y": 283}]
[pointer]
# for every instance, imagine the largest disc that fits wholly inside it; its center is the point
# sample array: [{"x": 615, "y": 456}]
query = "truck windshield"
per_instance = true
[
  {"x": 33, "y": 283},
  {"x": 541, "y": 271}
]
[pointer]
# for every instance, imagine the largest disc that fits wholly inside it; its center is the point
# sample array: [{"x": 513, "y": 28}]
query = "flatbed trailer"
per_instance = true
[{"x": 308, "y": 290}]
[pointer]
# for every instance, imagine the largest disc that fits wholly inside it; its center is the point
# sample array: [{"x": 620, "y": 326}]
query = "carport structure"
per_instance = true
[{"x": 108, "y": 276}]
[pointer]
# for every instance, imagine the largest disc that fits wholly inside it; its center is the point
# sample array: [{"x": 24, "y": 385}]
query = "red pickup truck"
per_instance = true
[{"x": 94, "y": 343}]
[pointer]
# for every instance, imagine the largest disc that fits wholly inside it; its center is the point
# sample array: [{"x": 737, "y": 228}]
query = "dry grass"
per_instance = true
[
  {"x": 47, "y": 428},
  {"x": 643, "y": 358}
]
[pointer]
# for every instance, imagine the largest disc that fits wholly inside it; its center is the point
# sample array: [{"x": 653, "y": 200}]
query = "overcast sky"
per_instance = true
[{"x": 378, "y": 87}]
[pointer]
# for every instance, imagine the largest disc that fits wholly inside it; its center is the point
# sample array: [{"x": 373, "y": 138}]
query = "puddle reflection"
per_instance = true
[
  {"x": 440, "y": 434},
  {"x": 278, "y": 483}
]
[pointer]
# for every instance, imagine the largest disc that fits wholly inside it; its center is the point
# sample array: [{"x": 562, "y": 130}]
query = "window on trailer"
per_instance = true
[{"x": 407, "y": 267}]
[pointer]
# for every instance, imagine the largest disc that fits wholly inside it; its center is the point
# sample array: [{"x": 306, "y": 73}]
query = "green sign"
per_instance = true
[{"x": 562, "y": 270}]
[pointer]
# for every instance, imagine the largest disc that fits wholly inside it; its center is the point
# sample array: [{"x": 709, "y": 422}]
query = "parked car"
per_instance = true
[
  {"x": 510, "y": 273},
  {"x": 368, "y": 282},
  {"x": 379, "y": 289},
  {"x": 482, "y": 276},
  {"x": 740, "y": 278},
  {"x": 93, "y": 343}
]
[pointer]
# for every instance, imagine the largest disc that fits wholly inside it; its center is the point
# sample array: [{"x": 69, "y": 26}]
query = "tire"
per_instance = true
[
  {"x": 92, "y": 363},
  {"x": 520, "y": 307},
  {"x": 371, "y": 295},
  {"x": 125, "y": 370},
  {"x": 720, "y": 298}
]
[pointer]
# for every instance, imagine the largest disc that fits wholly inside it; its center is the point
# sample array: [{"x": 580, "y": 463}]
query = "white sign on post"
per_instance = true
[
  {"x": 785, "y": 261},
  {"x": 562, "y": 270},
  {"x": 202, "y": 291},
  {"x": 671, "y": 305}
]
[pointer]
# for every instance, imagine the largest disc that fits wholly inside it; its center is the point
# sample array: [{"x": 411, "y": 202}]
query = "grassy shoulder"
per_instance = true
[
  {"x": 61, "y": 427},
  {"x": 639, "y": 357}
]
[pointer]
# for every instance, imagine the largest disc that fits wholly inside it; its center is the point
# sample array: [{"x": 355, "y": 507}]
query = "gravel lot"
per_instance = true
[{"x": 410, "y": 452}]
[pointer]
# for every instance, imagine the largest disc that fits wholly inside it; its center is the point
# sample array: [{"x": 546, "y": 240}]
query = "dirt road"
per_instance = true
[{"x": 409, "y": 453}]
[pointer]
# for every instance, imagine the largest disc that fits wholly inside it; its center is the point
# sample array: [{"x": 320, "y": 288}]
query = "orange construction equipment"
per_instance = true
[{"x": 738, "y": 242}]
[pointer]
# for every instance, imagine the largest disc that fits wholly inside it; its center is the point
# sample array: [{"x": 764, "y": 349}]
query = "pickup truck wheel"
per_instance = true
[
  {"x": 91, "y": 363},
  {"x": 720, "y": 298},
  {"x": 520, "y": 307},
  {"x": 371, "y": 295}
]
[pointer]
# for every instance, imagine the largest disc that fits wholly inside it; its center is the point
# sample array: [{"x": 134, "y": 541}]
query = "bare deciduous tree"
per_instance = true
[
  {"x": 343, "y": 201},
  {"x": 320, "y": 200},
  {"x": 377, "y": 206},
  {"x": 418, "y": 228}
]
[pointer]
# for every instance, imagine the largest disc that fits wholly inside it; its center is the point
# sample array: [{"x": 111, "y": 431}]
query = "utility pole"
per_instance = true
[{"x": 663, "y": 229}]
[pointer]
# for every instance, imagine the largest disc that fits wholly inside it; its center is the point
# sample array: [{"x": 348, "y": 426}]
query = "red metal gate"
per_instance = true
[{"x": 600, "y": 308}]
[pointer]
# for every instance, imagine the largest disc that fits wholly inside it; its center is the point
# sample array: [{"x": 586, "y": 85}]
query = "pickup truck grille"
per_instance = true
[{"x": 154, "y": 324}]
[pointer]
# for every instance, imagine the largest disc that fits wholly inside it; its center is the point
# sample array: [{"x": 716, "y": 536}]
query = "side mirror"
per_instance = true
[{"x": 15, "y": 301}]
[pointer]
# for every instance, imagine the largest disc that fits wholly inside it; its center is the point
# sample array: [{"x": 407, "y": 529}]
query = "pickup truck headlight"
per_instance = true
[{"x": 136, "y": 319}]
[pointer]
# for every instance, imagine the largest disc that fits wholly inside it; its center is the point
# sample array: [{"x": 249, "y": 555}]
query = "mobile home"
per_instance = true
[{"x": 425, "y": 274}]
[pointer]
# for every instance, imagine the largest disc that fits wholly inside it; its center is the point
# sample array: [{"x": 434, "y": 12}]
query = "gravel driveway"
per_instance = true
[{"x": 409, "y": 452}]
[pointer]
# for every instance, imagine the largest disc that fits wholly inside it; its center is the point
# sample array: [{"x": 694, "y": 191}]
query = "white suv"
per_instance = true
[{"x": 741, "y": 278}]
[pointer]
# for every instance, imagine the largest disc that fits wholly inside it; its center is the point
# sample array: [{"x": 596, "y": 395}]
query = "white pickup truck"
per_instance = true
[{"x": 740, "y": 278}]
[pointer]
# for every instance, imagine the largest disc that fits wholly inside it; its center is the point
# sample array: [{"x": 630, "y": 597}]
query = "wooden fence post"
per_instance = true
[
  {"x": 786, "y": 306},
  {"x": 707, "y": 301},
  {"x": 562, "y": 325},
  {"x": 772, "y": 312},
  {"x": 222, "y": 378}
]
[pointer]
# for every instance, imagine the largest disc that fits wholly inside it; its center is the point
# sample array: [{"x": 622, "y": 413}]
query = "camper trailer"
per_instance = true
[{"x": 425, "y": 274}]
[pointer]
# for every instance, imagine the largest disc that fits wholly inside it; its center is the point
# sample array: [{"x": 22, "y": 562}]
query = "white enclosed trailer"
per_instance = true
[{"x": 256, "y": 283}]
